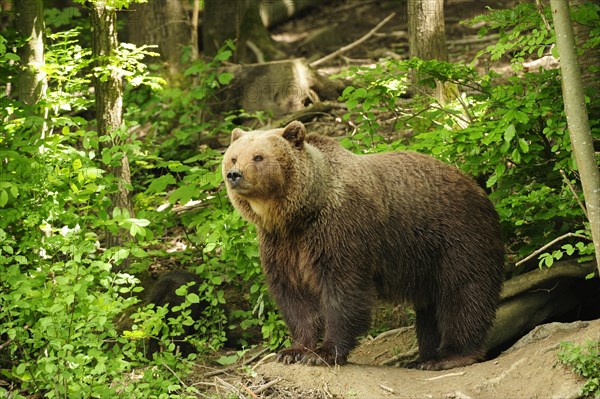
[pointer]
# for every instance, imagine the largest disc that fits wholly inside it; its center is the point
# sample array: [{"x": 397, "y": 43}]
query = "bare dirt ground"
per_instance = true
[{"x": 530, "y": 369}]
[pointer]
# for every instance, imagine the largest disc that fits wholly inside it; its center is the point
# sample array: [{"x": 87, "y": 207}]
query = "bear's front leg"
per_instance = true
[
  {"x": 347, "y": 313},
  {"x": 300, "y": 310}
]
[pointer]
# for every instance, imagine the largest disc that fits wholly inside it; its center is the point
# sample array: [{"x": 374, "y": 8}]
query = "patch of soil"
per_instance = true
[{"x": 530, "y": 369}]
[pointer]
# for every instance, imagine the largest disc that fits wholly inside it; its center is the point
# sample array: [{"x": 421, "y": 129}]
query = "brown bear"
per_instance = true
[{"x": 336, "y": 229}]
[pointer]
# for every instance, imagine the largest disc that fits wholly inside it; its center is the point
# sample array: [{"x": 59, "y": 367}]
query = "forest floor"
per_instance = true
[{"x": 527, "y": 370}]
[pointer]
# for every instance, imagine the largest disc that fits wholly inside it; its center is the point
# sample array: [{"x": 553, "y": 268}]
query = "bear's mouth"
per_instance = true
[{"x": 240, "y": 189}]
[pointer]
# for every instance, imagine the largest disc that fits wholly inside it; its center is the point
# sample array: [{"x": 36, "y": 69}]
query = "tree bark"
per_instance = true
[
  {"x": 30, "y": 23},
  {"x": 577, "y": 118},
  {"x": 427, "y": 35},
  {"x": 109, "y": 103},
  {"x": 427, "y": 30},
  {"x": 238, "y": 20},
  {"x": 165, "y": 24},
  {"x": 588, "y": 58}
]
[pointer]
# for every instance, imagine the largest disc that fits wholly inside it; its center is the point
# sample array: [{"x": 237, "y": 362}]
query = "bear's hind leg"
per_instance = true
[{"x": 463, "y": 318}]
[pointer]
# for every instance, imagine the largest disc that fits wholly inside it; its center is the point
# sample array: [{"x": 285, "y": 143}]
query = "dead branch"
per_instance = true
[
  {"x": 439, "y": 377},
  {"x": 267, "y": 385},
  {"x": 405, "y": 356},
  {"x": 233, "y": 367},
  {"x": 395, "y": 332},
  {"x": 353, "y": 44},
  {"x": 545, "y": 247}
]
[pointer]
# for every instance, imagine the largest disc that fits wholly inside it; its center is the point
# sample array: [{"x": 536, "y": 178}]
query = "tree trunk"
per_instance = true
[
  {"x": 427, "y": 35},
  {"x": 165, "y": 24},
  {"x": 30, "y": 23},
  {"x": 588, "y": 58},
  {"x": 109, "y": 103},
  {"x": 238, "y": 20},
  {"x": 577, "y": 117}
]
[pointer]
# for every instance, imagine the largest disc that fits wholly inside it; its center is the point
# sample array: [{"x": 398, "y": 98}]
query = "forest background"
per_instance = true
[{"x": 114, "y": 118}]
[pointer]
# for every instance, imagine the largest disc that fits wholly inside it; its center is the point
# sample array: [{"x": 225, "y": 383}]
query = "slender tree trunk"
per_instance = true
[
  {"x": 109, "y": 102},
  {"x": 30, "y": 23},
  {"x": 427, "y": 34},
  {"x": 577, "y": 117}
]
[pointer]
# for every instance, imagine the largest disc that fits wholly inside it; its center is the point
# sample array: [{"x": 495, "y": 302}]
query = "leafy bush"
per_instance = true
[{"x": 585, "y": 362}]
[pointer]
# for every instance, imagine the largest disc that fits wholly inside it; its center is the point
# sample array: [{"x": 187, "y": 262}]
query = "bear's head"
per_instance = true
[{"x": 262, "y": 167}]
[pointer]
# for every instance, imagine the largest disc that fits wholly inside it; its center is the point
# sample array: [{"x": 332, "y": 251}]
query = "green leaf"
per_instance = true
[
  {"x": 509, "y": 132},
  {"x": 3, "y": 198},
  {"x": 516, "y": 156},
  {"x": 227, "y": 360},
  {"x": 225, "y": 78},
  {"x": 138, "y": 222},
  {"x": 590, "y": 276},
  {"x": 192, "y": 298},
  {"x": 137, "y": 230},
  {"x": 523, "y": 145},
  {"x": 223, "y": 55},
  {"x": 159, "y": 184}
]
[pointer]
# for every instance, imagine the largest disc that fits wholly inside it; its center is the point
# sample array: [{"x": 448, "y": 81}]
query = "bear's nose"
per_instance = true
[{"x": 234, "y": 177}]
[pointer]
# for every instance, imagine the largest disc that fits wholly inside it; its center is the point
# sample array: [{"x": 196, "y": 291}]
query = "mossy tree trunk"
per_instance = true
[
  {"x": 109, "y": 104},
  {"x": 30, "y": 24},
  {"x": 577, "y": 117}
]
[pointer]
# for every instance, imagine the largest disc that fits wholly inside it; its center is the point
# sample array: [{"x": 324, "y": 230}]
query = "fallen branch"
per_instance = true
[
  {"x": 230, "y": 368},
  {"x": 353, "y": 44},
  {"x": 402, "y": 357},
  {"x": 386, "y": 388},
  {"x": 439, "y": 377},
  {"x": 267, "y": 385},
  {"x": 396, "y": 332},
  {"x": 545, "y": 247}
]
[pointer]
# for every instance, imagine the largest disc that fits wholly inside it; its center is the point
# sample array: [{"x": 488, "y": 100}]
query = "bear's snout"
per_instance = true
[{"x": 234, "y": 177}]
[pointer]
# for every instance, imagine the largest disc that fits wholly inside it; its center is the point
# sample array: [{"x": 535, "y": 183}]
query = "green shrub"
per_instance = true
[{"x": 585, "y": 362}]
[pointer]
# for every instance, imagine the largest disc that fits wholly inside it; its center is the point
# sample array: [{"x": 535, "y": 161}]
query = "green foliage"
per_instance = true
[
  {"x": 523, "y": 30},
  {"x": 511, "y": 135},
  {"x": 585, "y": 362},
  {"x": 60, "y": 290}
]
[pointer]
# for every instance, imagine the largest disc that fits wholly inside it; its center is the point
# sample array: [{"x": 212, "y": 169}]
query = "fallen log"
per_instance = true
[
  {"x": 277, "y": 88},
  {"x": 540, "y": 296}
]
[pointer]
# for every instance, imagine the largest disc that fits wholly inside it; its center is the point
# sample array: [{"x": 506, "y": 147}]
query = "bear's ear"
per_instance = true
[
  {"x": 294, "y": 132},
  {"x": 236, "y": 134}
]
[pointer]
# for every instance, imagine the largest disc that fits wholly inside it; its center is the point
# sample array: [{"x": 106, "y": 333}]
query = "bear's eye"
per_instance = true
[
  {"x": 258, "y": 158},
  {"x": 234, "y": 160}
]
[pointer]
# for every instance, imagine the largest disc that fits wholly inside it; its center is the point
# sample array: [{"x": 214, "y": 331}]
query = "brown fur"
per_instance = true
[{"x": 337, "y": 228}]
